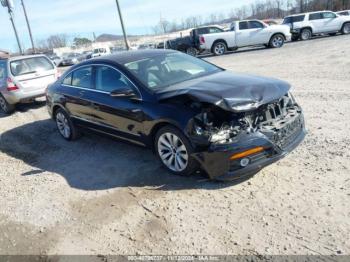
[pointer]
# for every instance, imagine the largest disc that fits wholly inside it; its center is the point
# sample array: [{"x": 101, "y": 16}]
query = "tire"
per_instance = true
[
  {"x": 5, "y": 106},
  {"x": 276, "y": 41},
  {"x": 174, "y": 151},
  {"x": 219, "y": 48},
  {"x": 192, "y": 51},
  {"x": 305, "y": 34},
  {"x": 65, "y": 126},
  {"x": 295, "y": 38},
  {"x": 345, "y": 29}
]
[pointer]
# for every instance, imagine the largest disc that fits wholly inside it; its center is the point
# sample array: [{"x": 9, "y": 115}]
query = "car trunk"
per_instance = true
[{"x": 33, "y": 73}]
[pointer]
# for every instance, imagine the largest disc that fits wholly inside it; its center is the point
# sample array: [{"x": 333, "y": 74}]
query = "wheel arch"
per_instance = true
[
  {"x": 56, "y": 107},
  {"x": 307, "y": 27},
  {"x": 216, "y": 41},
  {"x": 155, "y": 130}
]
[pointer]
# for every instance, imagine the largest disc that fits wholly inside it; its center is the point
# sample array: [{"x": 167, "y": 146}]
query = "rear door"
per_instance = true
[
  {"x": 242, "y": 34},
  {"x": 317, "y": 22},
  {"x": 33, "y": 73},
  {"x": 75, "y": 89}
]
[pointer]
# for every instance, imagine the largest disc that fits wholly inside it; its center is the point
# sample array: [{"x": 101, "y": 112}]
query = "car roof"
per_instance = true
[
  {"x": 125, "y": 57},
  {"x": 309, "y": 13},
  {"x": 14, "y": 58}
]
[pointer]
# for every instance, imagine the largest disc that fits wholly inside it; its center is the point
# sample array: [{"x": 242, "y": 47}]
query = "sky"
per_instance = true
[{"x": 83, "y": 17}]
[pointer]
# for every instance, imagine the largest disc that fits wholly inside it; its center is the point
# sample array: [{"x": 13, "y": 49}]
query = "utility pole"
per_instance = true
[
  {"x": 10, "y": 7},
  {"x": 28, "y": 25},
  {"x": 122, "y": 24}
]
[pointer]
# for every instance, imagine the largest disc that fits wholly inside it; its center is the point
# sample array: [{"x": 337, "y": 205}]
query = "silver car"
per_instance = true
[{"x": 23, "y": 79}]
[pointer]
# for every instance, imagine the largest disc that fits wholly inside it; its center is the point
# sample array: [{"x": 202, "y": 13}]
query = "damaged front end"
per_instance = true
[{"x": 234, "y": 143}]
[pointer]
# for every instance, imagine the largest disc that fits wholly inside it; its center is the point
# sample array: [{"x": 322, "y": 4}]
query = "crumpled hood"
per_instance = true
[{"x": 229, "y": 91}]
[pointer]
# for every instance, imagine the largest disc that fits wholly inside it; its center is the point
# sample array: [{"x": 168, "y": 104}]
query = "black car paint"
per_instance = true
[{"x": 137, "y": 119}]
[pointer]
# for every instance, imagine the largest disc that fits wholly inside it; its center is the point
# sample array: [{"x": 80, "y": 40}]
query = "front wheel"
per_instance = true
[
  {"x": 306, "y": 34},
  {"x": 65, "y": 125},
  {"x": 276, "y": 41},
  {"x": 5, "y": 106},
  {"x": 345, "y": 29},
  {"x": 219, "y": 48},
  {"x": 174, "y": 151}
]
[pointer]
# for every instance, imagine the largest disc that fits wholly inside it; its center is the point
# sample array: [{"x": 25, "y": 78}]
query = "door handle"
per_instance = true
[{"x": 136, "y": 110}]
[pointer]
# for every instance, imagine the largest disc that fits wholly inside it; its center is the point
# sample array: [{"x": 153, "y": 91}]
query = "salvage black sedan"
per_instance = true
[{"x": 193, "y": 114}]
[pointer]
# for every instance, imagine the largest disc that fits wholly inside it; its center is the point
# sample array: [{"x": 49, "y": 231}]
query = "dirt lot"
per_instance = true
[{"x": 100, "y": 196}]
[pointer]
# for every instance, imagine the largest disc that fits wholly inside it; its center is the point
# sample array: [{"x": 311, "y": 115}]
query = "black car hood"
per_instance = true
[{"x": 229, "y": 91}]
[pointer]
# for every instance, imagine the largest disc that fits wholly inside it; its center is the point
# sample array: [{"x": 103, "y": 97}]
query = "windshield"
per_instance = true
[
  {"x": 169, "y": 69},
  {"x": 30, "y": 66}
]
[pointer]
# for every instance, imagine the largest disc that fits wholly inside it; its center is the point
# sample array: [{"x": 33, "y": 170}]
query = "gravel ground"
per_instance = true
[{"x": 100, "y": 196}]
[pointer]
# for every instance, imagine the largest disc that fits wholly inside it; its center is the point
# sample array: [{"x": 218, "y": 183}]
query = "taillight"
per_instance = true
[
  {"x": 202, "y": 40},
  {"x": 58, "y": 75},
  {"x": 11, "y": 86}
]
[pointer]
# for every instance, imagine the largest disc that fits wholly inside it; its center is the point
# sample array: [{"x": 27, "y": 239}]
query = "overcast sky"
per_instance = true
[{"x": 83, "y": 17}]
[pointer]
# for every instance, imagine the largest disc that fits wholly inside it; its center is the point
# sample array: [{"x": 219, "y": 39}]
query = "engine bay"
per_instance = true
[{"x": 215, "y": 125}]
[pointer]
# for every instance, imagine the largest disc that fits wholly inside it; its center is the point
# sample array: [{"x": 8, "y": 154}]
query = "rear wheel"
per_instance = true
[
  {"x": 65, "y": 125},
  {"x": 5, "y": 106},
  {"x": 219, "y": 48},
  {"x": 192, "y": 51},
  {"x": 306, "y": 34},
  {"x": 174, "y": 151},
  {"x": 345, "y": 29},
  {"x": 276, "y": 41}
]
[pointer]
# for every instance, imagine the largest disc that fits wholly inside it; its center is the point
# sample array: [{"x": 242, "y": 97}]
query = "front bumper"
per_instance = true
[{"x": 217, "y": 164}]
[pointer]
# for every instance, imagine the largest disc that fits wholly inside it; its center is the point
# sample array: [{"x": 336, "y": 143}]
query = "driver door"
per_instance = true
[{"x": 119, "y": 116}]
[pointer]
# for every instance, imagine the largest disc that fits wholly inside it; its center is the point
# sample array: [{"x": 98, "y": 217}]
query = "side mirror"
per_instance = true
[{"x": 123, "y": 92}]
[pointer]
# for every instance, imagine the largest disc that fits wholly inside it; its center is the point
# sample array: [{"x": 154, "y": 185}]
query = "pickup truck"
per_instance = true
[
  {"x": 190, "y": 44},
  {"x": 245, "y": 33},
  {"x": 304, "y": 26}
]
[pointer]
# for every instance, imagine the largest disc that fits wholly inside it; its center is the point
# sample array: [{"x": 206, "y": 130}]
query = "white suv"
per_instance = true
[
  {"x": 304, "y": 26},
  {"x": 23, "y": 79}
]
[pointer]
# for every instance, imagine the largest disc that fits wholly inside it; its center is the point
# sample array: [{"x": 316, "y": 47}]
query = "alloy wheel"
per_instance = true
[
  {"x": 346, "y": 29},
  {"x": 277, "y": 41},
  {"x": 306, "y": 35},
  {"x": 3, "y": 104},
  {"x": 63, "y": 125},
  {"x": 219, "y": 49},
  {"x": 172, "y": 152}
]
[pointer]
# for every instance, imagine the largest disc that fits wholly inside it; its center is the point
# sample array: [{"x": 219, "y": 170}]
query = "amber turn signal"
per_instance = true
[{"x": 247, "y": 153}]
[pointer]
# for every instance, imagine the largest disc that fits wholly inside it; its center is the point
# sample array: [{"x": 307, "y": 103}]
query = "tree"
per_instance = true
[
  {"x": 56, "y": 41},
  {"x": 81, "y": 41}
]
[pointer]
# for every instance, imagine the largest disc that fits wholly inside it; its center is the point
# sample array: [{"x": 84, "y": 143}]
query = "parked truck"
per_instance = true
[
  {"x": 190, "y": 44},
  {"x": 245, "y": 33}
]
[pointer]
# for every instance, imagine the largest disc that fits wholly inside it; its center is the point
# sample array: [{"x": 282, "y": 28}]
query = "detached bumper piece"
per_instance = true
[{"x": 252, "y": 152}]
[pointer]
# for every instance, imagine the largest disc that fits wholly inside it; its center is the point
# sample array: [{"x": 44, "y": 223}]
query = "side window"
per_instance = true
[
  {"x": 329, "y": 15},
  {"x": 82, "y": 77},
  {"x": 255, "y": 24},
  {"x": 213, "y": 30},
  {"x": 315, "y": 16},
  {"x": 109, "y": 79},
  {"x": 243, "y": 26},
  {"x": 202, "y": 31},
  {"x": 68, "y": 80}
]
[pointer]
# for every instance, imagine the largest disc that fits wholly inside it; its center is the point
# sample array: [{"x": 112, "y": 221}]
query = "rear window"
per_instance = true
[
  {"x": 30, "y": 66},
  {"x": 243, "y": 25},
  {"x": 293, "y": 19}
]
